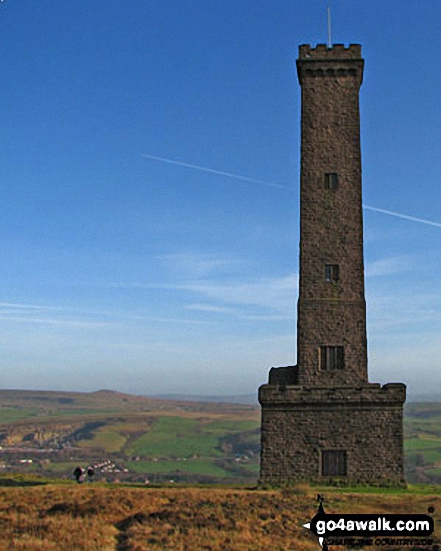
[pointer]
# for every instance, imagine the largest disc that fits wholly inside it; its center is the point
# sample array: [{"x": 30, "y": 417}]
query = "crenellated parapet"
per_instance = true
[
  {"x": 337, "y": 51},
  {"x": 336, "y": 62}
]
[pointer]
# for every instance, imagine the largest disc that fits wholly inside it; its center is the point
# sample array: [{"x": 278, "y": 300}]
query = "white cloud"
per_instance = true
[
  {"x": 404, "y": 309},
  {"x": 389, "y": 266},
  {"x": 20, "y": 306},
  {"x": 269, "y": 317},
  {"x": 414, "y": 361},
  {"x": 239, "y": 312},
  {"x": 53, "y": 321},
  {"x": 277, "y": 293},
  {"x": 272, "y": 293},
  {"x": 75, "y": 317},
  {"x": 195, "y": 265},
  {"x": 211, "y": 308}
]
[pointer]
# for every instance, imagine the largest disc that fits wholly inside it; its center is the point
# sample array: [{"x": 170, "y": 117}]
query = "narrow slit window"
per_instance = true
[
  {"x": 332, "y": 272},
  {"x": 332, "y": 357},
  {"x": 334, "y": 463},
  {"x": 331, "y": 180}
]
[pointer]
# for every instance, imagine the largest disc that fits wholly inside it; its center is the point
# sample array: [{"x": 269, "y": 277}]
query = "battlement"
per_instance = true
[
  {"x": 336, "y": 62},
  {"x": 323, "y": 52}
]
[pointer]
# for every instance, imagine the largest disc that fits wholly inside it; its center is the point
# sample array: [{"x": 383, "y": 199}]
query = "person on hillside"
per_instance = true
[
  {"x": 90, "y": 473},
  {"x": 79, "y": 475}
]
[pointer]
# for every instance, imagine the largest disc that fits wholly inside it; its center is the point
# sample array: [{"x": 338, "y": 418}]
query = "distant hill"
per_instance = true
[
  {"x": 250, "y": 399},
  {"x": 434, "y": 397},
  {"x": 104, "y": 399}
]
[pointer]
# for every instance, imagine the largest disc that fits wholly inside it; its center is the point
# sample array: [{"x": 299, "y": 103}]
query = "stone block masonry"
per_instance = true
[
  {"x": 366, "y": 423},
  {"x": 322, "y": 420}
]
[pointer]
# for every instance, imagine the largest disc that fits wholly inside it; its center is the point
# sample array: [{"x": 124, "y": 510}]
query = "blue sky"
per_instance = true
[{"x": 127, "y": 272}]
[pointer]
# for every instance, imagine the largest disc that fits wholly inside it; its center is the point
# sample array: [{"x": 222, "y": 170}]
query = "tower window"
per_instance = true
[
  {"x": 332, "y": 272},
  {"x": 334, "y": 463},
  {"x": 331, "y": 180},
  {"x": 332, "y": 357}
]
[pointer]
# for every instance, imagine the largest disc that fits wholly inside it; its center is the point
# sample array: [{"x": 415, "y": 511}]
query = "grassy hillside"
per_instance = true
[
  {"x": 422, "y": 444},
  {"x": 19, "y": 404},
  {"x": 89, "y": 517},
  {"x": 138, "y": 438},
  {"x": 129, "y": 436}
]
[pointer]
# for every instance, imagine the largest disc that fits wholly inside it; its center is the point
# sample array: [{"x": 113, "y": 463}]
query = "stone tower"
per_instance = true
[{"x": 322, "y": 419}]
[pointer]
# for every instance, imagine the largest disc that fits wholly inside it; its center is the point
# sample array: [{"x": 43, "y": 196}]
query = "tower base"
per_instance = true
[{"x": 350, "y": 435}]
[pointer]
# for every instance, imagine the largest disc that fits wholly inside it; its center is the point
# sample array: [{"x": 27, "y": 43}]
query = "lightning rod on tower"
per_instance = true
[{"x": 329, "y": 28}]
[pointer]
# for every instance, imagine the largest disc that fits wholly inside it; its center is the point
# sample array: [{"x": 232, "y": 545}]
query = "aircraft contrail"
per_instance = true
[
  {"x": 272, "y": 184},
  {"x": 405, "y": 216},
  {"x": 213, "y": 171}
]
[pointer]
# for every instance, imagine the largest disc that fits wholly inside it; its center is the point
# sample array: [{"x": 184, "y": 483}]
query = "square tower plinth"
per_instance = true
[
  {"x": 322, "y": 419},
  {"x": 323, "y": 434}
]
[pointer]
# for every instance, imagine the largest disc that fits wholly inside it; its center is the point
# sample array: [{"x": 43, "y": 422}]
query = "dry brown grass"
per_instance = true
[{"x": 92, "y": 518}]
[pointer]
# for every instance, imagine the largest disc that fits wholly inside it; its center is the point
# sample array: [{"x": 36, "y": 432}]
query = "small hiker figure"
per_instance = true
[
  {"x": 90, "y": 474},
  {"x": 79, "y": 475},
  {"x": 320, "y": 499}
]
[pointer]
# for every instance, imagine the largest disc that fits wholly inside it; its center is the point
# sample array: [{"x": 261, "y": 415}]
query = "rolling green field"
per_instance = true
[
  {"x": 182, "y": 437},
  {"x": 9, "y": 415},
  {"x": 194, "y": 466},
  {"x": 422, "y": 444}
]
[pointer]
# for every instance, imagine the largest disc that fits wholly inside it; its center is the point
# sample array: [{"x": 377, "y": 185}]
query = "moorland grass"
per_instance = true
[{"x": 103, "y": 518}]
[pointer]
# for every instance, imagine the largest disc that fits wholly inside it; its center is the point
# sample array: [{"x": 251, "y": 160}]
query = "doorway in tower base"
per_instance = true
[{"x": 333, "y": 463}]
